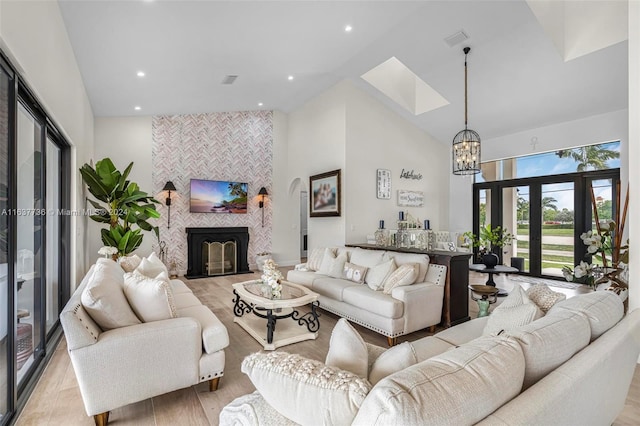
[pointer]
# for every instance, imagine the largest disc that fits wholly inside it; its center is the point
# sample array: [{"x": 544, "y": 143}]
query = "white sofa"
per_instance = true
[
  {"x": 405, "y": 310},
  {"x": 129, "y": 364},
  {"x": 571, "y": 367}
]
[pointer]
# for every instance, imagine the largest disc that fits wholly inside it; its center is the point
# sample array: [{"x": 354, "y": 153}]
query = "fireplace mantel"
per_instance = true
[{"x": 197, "y": 236}]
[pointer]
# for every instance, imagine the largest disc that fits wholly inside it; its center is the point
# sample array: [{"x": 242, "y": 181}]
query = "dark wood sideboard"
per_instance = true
[{"x": 455, "y": 308}]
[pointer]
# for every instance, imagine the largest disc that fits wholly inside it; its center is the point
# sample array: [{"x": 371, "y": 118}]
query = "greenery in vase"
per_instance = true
[
  {"x": 121, "y": 204},
  {"x": 489, "y": 238}
]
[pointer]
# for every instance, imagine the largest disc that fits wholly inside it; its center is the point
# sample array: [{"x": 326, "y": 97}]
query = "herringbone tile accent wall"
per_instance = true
[{"x": 233, "y": 146}]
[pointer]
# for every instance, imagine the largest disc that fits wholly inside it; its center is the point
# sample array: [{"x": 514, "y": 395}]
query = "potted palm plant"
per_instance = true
[
  {"x": 120, "y": 204},
  {"x": 489, "y": 241}
]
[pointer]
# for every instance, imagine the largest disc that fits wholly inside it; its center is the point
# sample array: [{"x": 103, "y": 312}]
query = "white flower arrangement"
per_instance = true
[
  {"x": 107, "y": 251},
  {"x": 272, "y": 277}
]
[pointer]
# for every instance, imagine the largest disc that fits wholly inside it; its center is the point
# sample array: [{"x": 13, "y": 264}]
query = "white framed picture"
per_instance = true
[
  {"x": 410, "y": 198},
  {"x": 383, "y": 182}
]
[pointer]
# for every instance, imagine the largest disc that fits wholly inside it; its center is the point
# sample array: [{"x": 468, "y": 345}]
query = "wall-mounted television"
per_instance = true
[{"x": 218, "y": 196}]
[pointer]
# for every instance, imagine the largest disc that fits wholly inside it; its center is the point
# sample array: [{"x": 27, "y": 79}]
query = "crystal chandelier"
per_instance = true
[{"x": 466, "y": 144}]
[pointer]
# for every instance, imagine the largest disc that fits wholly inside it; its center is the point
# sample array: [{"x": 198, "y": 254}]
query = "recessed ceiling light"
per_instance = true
[
  {"x": 137, "y": 108},
  {"x": 348, "y": 28},
  {"x": 260, "y": 104},
  {"x": 140, "y": 73},
  {"x": 290, "y": 78}
]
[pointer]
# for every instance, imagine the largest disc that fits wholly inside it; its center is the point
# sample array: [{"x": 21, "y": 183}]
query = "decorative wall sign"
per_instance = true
[
  {"x": 383, "y": 181},
  {"x": 410, "y": 198},
  {"x": 325, "y": 194},
  {"x": 410, "y": 174}
]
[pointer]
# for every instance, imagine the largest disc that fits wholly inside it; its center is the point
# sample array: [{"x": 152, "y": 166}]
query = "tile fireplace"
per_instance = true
[{"x": 217, "y": 251}]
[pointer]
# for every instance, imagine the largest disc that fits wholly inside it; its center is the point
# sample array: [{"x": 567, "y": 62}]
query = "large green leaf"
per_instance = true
[
  {"x": 94, "y": 183},
  {"x": 108, "y": 173},
  {"x": 122, "y": 184}
]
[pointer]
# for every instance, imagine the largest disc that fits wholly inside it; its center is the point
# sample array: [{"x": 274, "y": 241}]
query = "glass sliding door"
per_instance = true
[
  {"x": 605, "y": 209},
  {"x": 558, "y": 230},
  {"x": 29, "y": 231},
  {"x": 515, "y": 218},
  {"x": 6, "y": 83},
  {"x": 53, "y": 195}
]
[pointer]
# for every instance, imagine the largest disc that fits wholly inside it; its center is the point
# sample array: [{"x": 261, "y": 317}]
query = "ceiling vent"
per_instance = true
[
  {"x": 455, "y": 39},
  {"x": 229, "y": 79}
]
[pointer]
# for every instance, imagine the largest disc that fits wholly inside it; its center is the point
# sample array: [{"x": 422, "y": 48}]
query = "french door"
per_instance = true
[{"x": 546, "y": 215}]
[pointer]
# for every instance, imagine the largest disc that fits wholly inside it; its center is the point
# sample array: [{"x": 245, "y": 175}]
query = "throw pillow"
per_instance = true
[
  {"x": 150, "y": 298},
  {"x": 405, "y": 275},
  {"x": 378, "y": 274},
  {"x": 304, "y": 390},
  {"x": 353, "y": 272},
  {"x": 151, "y": 266},
  {"x": 315, "y": 260},
  {"x": 393, "y": 359},
  {"x": 347, "y": 350},
  {"x": 544, "y": 297},
  {"x": 447, "y": 246},
  {"x": 105, "y": 302},
  {"x": 516, "y": 310},
  {"x": 333, "y": 265},
  {"x": 129, "y": 263}
]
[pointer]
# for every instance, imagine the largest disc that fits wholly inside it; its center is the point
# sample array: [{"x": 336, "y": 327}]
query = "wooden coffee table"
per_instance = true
[{"x": 249, "y": 299}]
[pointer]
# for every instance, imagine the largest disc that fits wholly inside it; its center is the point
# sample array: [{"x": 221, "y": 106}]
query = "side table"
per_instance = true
[
  {"x": 498, "y": 269},
  {"x": 488, "y": 295}
]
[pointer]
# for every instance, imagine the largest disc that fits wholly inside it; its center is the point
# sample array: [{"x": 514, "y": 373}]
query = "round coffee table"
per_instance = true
[{"x": 498, "y": 269}]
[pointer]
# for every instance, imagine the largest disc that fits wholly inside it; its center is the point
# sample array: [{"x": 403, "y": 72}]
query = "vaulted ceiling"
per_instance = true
[{"x": 517, "y": 77}]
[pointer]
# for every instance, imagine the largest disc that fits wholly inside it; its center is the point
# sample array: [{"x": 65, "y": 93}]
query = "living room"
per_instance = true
[{"x": 336, "y": 122}]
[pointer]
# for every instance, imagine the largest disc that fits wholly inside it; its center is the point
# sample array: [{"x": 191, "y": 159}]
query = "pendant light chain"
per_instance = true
[{"x": 466, "y": 143}]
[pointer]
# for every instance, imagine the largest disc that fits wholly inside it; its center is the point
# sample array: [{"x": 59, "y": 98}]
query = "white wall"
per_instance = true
[
  {"x": 590, "y": 130},
  {"x": 345, "y": 128},
  {"x": 316, "y": 137},
  {"x": 282, "y": 203},
  {"x": 33, "y": 36},
  {"x": 124, "y": 139},
  {"x": 634, "y": 153},
  {"x": 378, "y": 138}
]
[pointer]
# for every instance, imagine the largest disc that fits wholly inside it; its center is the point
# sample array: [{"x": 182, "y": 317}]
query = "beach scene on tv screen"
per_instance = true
[{"x": 212, "y": 196}]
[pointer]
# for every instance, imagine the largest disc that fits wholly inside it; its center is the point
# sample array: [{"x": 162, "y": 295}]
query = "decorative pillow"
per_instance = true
[
  {"x": 304, "y": 390},
  {"x": 401, "y": 258},
  {"x": 516, "y": 310},
  {"x": 315, "y": 260},
  {"x": 393, "y": 359},
  {"x": 405, "y": 275},
  {"x": 353, "y": 272},
  {"x": 105, "y": 302},
  {"x": 447, "y": 246},
  {"x": 544, "y": 297},
  {"x": 151, "y": 266},
  {"x": 333, "y": 265},
  {"x": 347, "y": 350},
  {"x": 378, "y": 274},
  {"x": 150, "y": 298},
  {"x": 129, "y": 263}
]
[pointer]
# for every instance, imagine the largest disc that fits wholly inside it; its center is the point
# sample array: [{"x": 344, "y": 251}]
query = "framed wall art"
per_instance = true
[
  {"x": 325, "y": 194},
  {"x": 410, "y": 198},
  {"x": 383, "y": 184}
]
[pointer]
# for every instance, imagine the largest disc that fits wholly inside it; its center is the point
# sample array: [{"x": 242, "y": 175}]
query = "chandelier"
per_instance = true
[{"x": 466, "y": 143}]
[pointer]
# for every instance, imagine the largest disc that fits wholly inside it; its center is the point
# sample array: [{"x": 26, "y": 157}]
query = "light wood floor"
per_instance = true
[{"x": 57, "y": 401}]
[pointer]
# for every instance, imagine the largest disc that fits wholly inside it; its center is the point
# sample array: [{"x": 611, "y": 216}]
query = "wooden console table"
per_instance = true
[{"x": 455, "y": 308}]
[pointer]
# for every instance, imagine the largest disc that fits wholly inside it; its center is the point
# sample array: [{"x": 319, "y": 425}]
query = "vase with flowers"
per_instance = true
[
  {"x": 271, "y": 280},
  {"x": 606, "y": 245}
]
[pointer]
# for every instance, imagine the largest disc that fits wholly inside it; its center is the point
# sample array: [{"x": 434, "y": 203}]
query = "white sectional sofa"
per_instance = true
[
  {"x": 405, "y": 310},
  {"x": 571, "y": 367},
  {"x": 124, "y": 365}
]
